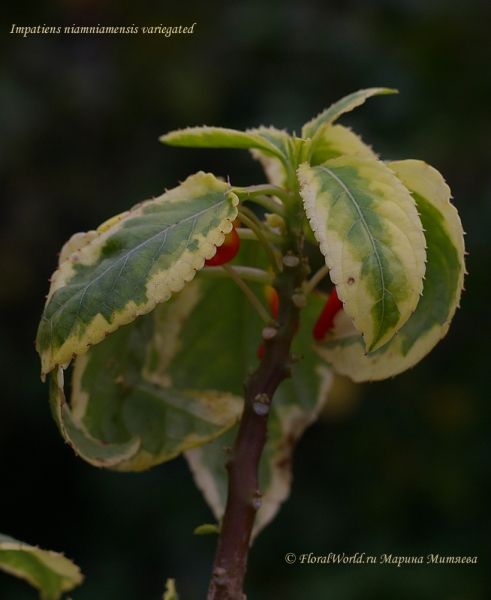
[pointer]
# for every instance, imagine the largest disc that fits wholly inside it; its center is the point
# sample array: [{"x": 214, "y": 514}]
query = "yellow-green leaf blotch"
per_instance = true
[{"x": 369, "y": 231}]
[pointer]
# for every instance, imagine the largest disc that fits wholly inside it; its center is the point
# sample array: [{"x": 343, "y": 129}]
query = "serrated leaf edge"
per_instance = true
[
  {"x": 159, "y": 288},
  {"x": 318, "y": 217}
]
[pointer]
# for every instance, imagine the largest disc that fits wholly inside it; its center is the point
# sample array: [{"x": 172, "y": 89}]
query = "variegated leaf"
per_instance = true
[
  {"x": 295, "y": 406},
  {"x": 370, "y": 233},
  {"x": 219, "y": 137},
  {"x": 49, "y": 572},
  {"x": 279, "y": 138},
  {"x": 344, "y": 349},
  {"x": 340, "y": 107},
  {"x": 274, "y": 168},
  {"x": 334, "y": 141},
  {"x": 133, "y": 262}
]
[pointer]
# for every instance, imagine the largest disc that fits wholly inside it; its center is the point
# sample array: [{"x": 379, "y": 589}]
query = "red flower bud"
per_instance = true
[
  {"x": 272, "y": 298},
  {"x": 273, "y": 301},
  {"x": 326, "y": 318},
  {"x": 227, "y": 251}
]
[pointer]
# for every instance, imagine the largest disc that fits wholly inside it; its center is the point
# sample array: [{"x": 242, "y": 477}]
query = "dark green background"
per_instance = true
[{"x": 403, "y": 467}]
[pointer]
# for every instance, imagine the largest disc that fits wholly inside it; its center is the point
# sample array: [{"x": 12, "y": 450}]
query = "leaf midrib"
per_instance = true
[
  {"x": 126, "y": 257},
  {"x": 350, "y": 195}
]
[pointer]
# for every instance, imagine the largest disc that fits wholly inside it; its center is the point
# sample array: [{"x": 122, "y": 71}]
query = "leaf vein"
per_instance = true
[
  {"x": 350, "y": 195},
  {"x": 127, "y": 256}
]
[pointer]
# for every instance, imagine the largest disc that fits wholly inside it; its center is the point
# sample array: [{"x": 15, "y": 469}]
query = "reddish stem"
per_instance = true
[{"x": 244, "y": 497}]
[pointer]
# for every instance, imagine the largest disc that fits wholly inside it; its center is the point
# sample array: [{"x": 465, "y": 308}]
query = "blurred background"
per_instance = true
[{"x": 399, "y": 467}]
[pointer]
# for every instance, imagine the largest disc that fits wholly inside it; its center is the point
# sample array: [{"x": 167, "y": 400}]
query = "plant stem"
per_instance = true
[
  {"x": 245, "y": 233},
  {"x": 268, "y": 203},
  {"x": 243, "y": 458}
]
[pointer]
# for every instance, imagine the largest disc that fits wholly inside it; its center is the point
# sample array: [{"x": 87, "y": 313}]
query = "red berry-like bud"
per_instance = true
[
  {"x": 227, "y": 251},
  {"x": 272, "y": 298},
  {"x": 273, "y": 301},
  {"x": 326, "y": 318}
]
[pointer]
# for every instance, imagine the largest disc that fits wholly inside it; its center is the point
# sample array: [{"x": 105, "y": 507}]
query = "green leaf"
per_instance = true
[
  {"x": 206, "y": 529},
  {"x": 445, "y": 268},
  {"x": 369, "y": 231},
  {"x": 217, "y": 342},
  {"x": 295, "y": 406},
  {"x": 219, "y": 137},
  {"x": 49, "y": 572},
  {"x": 340, "y": 107},
  {"x": 170, "y": 590},
  {"x": 135, "y": 261}
]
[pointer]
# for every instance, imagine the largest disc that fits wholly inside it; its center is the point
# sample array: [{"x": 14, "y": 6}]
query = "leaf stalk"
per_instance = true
[
  {"x": 249, "y": 218},
  {"x": 263, "y": 313},
  {"x": 259, "y": 194}
]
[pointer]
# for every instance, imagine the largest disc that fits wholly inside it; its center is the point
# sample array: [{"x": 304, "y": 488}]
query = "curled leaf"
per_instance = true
[
  {"x": 97, "y": 452},
  {"x": 124, "y": 412}
]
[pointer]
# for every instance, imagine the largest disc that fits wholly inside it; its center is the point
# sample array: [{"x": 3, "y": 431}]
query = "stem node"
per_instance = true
[
  {"x": 290, "y": 260},
  {"x": 269, "y": 333},
  {"x": 260, "y": 408}
]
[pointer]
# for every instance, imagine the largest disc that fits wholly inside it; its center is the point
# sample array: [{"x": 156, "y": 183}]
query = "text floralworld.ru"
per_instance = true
[{"x": 362, "y": 558}]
